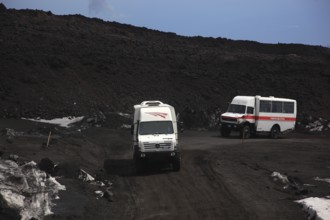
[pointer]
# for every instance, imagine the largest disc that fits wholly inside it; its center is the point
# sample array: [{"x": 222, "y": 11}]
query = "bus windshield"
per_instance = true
[
  {"x": 156, "y": 127},
  {"x": 233, "y": 108}
]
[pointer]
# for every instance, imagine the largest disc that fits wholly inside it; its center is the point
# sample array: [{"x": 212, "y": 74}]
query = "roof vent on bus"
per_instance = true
[
  {"x": 152, "y": 103},
  {"x": 271, "y": 97}
]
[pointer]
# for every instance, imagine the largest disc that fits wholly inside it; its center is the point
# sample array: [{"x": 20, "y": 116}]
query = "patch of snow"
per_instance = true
[
  {"x": 318, "y": 208},
  {"x": 27, "y": 189},
  {"x": 56, "y": 184},
  {"x": 318, "y": 128},
  {"x": 14, "y": 200},
  {"x": 12, "y": 132},
  {"x": 125, "y": 115},
  {"x": 63, "y": 122},
  {"x": 99, "y": 193},
  {"x": 277, "y": 176},
  {"x": 319, "y": 125},
  {"x": 98, "y": 183},
  {"x": 327, "y": 180},
  {"x": 126, "y": 126},
  {"x": 310, "y": 185},
  {"x": 10, "y": 163}
]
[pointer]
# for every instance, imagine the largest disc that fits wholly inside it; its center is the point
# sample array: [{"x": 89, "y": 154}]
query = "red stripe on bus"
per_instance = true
[
  {"x": 269, "y": 118},
  {"x": 263, "y": 118},
  {"x": 274, "y": 118}
]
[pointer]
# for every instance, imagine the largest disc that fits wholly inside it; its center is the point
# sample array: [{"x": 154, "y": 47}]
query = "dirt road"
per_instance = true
[
  {"x": 220, "y": 178},
  {"x": 226, "y": 179}
]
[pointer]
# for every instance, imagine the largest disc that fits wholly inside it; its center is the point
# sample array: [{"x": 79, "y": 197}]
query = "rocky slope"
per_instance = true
[{"x": 53, "y": 66}]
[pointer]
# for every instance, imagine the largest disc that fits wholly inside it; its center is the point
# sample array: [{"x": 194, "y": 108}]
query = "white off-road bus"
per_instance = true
[
  {"x": 155, "y": 135},
  {"x": 255, "y": 114}
]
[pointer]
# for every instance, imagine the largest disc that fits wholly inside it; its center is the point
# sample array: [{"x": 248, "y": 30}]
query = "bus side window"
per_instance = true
[
  {"x": 288, "y": 107},
  {"x": 277, "y": 106},
  {"x": 250, "y": 110},
  {"x": 265, "y": 106}
]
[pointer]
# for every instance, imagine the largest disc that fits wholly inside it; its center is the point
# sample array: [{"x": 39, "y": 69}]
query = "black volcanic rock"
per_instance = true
[
  {"x": 2, "y": 7},
  {"x": 47, "y": 165},
  {"x": 55, "y": 66}
]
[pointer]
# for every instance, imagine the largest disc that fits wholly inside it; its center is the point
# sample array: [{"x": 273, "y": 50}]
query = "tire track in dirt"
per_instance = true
[{"x": 196, "y": 192}]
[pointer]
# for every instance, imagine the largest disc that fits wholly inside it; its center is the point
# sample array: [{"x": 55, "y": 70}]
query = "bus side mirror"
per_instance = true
[{"x": 132, "y": 129}]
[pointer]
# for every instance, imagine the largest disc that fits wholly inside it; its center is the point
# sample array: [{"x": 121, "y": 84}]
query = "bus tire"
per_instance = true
[
  {"x": 246, "y": 131},
  {"x": 275, "y": 132}
]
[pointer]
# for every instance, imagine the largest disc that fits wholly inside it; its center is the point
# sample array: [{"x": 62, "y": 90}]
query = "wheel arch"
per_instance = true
[{"x": 276, "y": 125}]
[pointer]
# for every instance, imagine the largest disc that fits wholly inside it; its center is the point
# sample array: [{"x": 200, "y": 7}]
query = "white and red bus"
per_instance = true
[{"x": 255, "y": 114}]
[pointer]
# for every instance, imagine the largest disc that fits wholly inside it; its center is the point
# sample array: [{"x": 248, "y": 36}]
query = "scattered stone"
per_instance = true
[
  {"x": 99, "y": 193},
  {"x": 11, "y": 133},
  {"x": 108, "y": 183},
  {"x": 289, "y": 184},
  {"x": 108, "y": 194},
  {"x": 104, "y": 185},
  {"x": 10, "y": 139},
  {"x": 310, "y": 124},
  {"x": 90, "y": 120},
  {"x": 83, "y": 175}
]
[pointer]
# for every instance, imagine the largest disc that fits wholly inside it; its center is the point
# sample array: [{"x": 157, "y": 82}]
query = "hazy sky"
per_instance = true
[{"x": 266, "y": 21}]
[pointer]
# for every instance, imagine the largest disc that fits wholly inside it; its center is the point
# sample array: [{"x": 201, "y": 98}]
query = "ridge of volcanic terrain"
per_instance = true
[{"x": 55, "y": 66}]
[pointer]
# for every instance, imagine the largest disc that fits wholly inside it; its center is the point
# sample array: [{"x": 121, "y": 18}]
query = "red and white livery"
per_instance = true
[{"x": 256, "y": 114}]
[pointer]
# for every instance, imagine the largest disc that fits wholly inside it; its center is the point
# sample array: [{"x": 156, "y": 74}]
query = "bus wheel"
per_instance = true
[
  {"x": 275, "y": 132},
  {"x": 246, "y": 132}
]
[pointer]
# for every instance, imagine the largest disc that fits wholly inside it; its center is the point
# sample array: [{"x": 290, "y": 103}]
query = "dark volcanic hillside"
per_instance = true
[{"x": 71, "y": 65}]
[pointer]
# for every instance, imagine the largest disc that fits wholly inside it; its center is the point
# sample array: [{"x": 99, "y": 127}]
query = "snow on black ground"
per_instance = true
[
  {"x": 27, "y": 189},
  {"x": 317, "y": 208}
]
